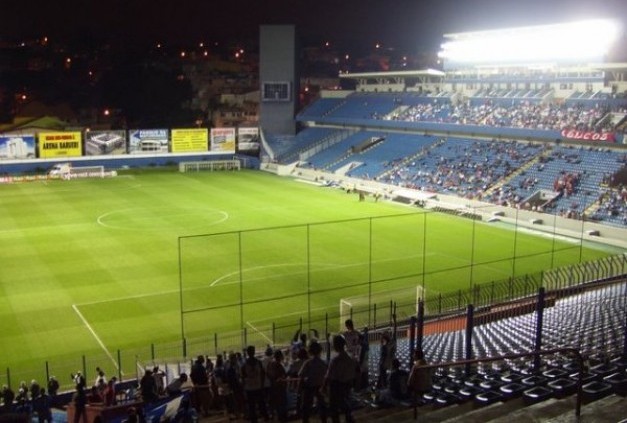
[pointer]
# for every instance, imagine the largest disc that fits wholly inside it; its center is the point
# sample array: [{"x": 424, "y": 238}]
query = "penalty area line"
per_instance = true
[
  {"x": 259, "y": 332},
  {"x": 95, "y": 335}
]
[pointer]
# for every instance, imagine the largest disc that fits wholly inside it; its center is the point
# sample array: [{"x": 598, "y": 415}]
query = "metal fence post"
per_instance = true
[
  {"x": 412, "y": 337},
  {"x": 468, "y": 341},
  {"x": 538, "y": 334},
  {"x": 119, "y": 365},
  {"x": 420, "y": 324}
]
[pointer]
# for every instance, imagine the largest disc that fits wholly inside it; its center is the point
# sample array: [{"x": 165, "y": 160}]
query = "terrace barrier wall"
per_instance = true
[
  {"x": 450, "y": 130},
  {"x": 120, "y": 161}
]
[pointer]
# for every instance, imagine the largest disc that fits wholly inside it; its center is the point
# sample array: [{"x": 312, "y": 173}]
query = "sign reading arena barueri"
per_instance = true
[{"x": 60, "y": 144}]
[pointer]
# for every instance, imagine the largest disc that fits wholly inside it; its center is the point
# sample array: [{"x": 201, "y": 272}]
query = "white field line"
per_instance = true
[
  {"x": 268, "y": 266},
  {"x": 95, "y": 335},
  {"x": 220, "y": 281},
  {"x": 294, "y": 313},
  {"x": 259, "y": 332},
  {"x": 101, "y": 220},
  {"x": 331, "y": 266},
  {"x": 132, "y": 297}
]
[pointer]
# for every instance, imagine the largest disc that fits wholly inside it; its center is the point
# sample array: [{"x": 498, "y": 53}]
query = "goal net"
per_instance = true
[
  {"x": 209, "y": 165},
  {"x": 86, "y": 172},
  {"x": 377, "y": 309}
]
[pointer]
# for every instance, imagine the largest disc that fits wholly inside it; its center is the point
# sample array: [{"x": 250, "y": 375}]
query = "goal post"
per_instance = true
[
  {"x": 421, "y": 295},
  {"x": 209, "y": 165},
  {"x": 86, "y": 172},
  {"x": 373, "y": 309}
]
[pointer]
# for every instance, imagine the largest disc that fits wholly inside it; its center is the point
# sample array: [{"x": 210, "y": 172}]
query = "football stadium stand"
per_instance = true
[
  {"x": 551, "y": 142},
  {"x": 546, "y": 142}
]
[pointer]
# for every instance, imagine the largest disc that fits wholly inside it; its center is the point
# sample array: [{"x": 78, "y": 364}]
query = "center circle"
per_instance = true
[{"x": 162, "y": 218}]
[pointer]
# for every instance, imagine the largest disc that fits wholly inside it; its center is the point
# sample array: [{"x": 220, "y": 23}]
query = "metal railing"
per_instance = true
[
  {"x": 560, "y": 283},
  {"x": 535, "y": 354}
]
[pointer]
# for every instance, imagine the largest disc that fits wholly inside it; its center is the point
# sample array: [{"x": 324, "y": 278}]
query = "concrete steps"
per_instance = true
[{"x": 611, "y": 409}]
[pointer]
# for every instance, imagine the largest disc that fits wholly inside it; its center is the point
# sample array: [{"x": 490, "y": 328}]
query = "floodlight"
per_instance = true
[{"x": 582, "y": 40}]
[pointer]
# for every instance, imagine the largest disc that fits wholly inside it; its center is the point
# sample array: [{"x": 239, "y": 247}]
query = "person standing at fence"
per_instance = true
[
  {"x": 225, "y": 394},
  {"x": 80, "y": 401},
  {"x": 233, "y": 377},
  {"x": 109, "y": 394},
  {"x": 339, "y": 380},
  {"x": 101, "y": 379},
  {"x": 267, "y": 359},
  {"x": 353, "y": 348},
  {"x": 7, "y": 399},
  {"x": 387, "y": 355},
  {"x": 311, "y": 381},
  {"x": 201, "y": 392},
  {"x": 53, "y": 386},
  {"x": 159, "y": 377},
  {"x": 278, "y": 386},
  {"x": 148, "y": 387},
  {"x": 253, "y": 376}
]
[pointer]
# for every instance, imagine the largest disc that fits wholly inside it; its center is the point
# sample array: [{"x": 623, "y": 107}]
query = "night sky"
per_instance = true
[{"x": 403, "y": 23}]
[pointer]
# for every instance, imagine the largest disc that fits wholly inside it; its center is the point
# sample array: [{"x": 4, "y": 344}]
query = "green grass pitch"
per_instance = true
[{"x": 91, "y": 267}]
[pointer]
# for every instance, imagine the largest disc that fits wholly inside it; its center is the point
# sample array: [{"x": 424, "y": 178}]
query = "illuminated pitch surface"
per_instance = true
[{"x": 90, "y": 266}]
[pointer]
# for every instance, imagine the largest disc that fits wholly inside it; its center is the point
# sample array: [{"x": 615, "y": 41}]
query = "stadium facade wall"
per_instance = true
[
  {"x": 549, "y": 224},
  {"x": 119, "y": 161},
  {"x": 449, "y": 129}
]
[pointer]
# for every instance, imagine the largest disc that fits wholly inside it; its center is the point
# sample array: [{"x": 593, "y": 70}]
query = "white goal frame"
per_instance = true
[
  {"x": 210, "y": 165},
  {"x": 86, "y": 172},
  {"x": 346, "y": 304}
]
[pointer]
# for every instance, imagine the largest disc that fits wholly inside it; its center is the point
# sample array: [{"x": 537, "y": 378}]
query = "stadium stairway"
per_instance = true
[
  {"x": 610, "y": 409},
  {"x": 408, "y": 160},
  {"x": 508, "y": 178}
]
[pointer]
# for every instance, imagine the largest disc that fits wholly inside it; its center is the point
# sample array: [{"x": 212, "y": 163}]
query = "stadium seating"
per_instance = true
[
  {"x": 505, "y": 173},
  {"x": 363, "y": 106},
  {"x": 600, "y": 314},
  {"x": 287, "y": 148},
  {"x": 379, "y": 158},
  {"x": 321, "y": 107}
]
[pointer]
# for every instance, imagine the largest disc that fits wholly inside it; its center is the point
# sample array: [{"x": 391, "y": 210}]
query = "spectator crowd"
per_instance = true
[
  {"x": 292, "y": 383},
  {"x": 524, "y": 114}
]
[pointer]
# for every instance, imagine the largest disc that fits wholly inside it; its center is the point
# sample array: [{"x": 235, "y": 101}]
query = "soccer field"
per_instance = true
[{"x": 90, "y": 268}]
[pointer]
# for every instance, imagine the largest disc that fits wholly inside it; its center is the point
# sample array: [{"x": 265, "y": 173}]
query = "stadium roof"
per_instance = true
[{"x": 394, "y": 74}]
